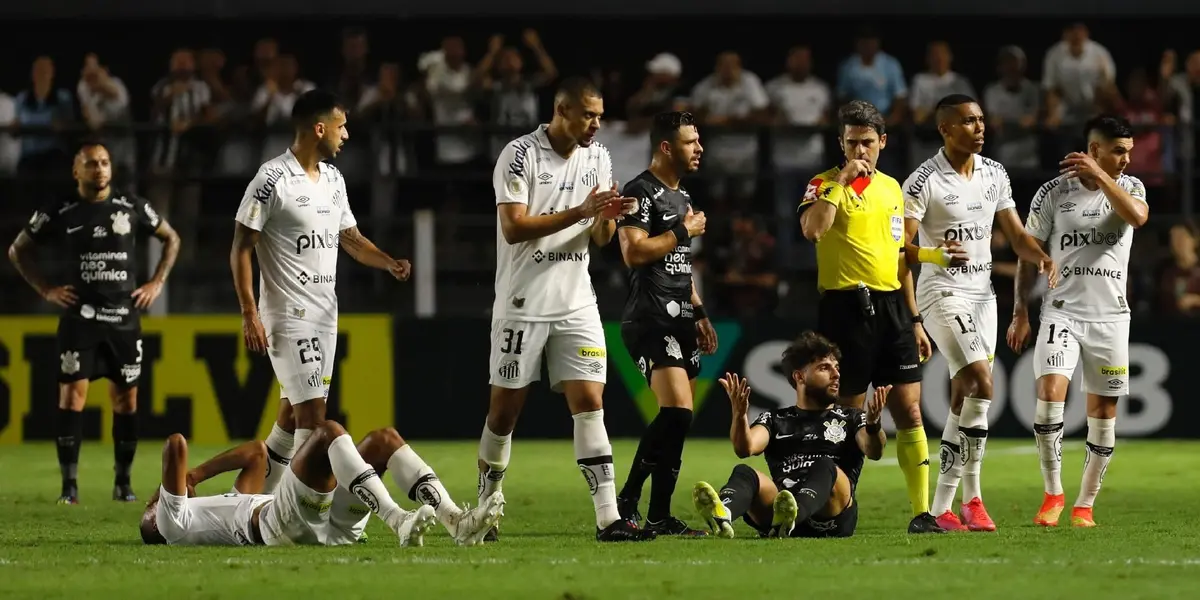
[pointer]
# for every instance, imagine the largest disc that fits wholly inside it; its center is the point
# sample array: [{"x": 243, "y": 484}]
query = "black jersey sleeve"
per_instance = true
[
  {"x": 147, "y": 218},
  {"x": 640, "y": 219},
  {"x": 765, "y": 419},
  {"x": 45, "y": 222}
]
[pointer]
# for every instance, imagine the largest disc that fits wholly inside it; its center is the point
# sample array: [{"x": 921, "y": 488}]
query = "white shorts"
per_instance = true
[
  {"x": 574, "y": 349},
  {"x": 299, "y": 515},
  {"x": 1104, "y": 348},
  {"x": 964, "y": 330},
  {"x": 302, "y": 356},
  {"x": 348, "y": 518}
]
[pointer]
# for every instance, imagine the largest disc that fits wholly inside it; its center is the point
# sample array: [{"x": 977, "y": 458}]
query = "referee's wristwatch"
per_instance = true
[{"x": 918, "y": 319}]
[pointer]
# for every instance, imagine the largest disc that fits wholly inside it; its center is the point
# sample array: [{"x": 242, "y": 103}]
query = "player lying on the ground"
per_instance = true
[
  {"x": 814, "y": 451},
  {"x": 322, "y": 499}
]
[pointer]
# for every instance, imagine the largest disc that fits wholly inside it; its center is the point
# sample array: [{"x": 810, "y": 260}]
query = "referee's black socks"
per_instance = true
[
  {"x": 671, "y": 435},
  {"x": 70, "y": 434},
  {"x": 125, "y": 439}
]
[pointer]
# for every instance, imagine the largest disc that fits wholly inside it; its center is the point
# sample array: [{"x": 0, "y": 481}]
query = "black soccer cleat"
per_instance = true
[
  {"x": 673, "y": 526},
  {"x": 124, "y": 493},
  {"x": 628, "y": 508},
  {"x": 492, "y": 535},
  {"x": 924, "y": 523},
  {"x": 623, "y": 531},
  {"x": 70, "y": 493}
]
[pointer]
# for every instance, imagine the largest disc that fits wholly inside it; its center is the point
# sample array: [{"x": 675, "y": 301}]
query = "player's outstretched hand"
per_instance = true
[
  {"x": 598, "y": 202},
  {"x": 63, "y": 295},
  {"x": 144, "y": 296},
  {"x": 738, "y": 389},
  {"x": 875, "y": 404},
  {"x": 254, "y": 333},
  {"x": 695, "y": 222},
  {"x": 706, "y": 337},
  {"x": 400, "y": 269},
  {"x": 1050, "y": 269},
  {"x": 956, "y": 252},
  {"x": 1078, "y": 164},
  {"x": 1018, "y": 332}
]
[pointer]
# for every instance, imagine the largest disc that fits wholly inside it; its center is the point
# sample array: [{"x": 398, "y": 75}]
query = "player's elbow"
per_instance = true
[
  {"x": 14, "y": 255},
  {"x": 813, "y": 232},
  {"x": 511, "y": 233},
  {"x": 1139, "y": 219}
]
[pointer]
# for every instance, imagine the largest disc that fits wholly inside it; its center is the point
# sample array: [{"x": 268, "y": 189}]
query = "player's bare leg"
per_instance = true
[
  {"x": 71, "y": 399},
  {"x": 593, "y": 454},
  {"x": 912, "y": 452},
  {"x": 125, "y": 439},
  {"x": 1101, "y": 437},
  {"x": 280, "y": 445},
  {"x": 1048, "y": 432},
  {"x": 495, "y": 445},
  {"x": 309, "y": 415},
  {"x": 660, "y": 454},
  {"x": 962, "y": 447}
]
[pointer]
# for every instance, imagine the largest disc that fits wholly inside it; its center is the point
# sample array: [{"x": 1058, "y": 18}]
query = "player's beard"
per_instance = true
[{"x": 820, "y": 396}]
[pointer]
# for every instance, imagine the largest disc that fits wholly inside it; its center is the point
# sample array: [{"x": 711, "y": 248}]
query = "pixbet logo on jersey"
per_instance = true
[
  {"x": 326, "y": 240},
  {"x": 1076, "y": 238},
  {"x": 968, "y": 233}
]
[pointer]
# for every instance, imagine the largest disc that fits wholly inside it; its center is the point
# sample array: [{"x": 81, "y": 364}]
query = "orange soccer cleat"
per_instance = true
[
  {"x": 976, "y": 516},
  {"x": 949, "y": 521},
  {"x": 1082, "y": 517},
  {"x": 1052, "y": 506}
]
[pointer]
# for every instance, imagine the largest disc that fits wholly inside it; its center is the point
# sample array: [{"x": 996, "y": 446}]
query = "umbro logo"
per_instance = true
[
  {"x": 546, "y": 178},
  {"x": 951, "y": 199}
]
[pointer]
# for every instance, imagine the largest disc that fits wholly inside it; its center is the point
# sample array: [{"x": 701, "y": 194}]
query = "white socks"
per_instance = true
[
  {"x": 951, "y": 468},
  {"x": 280, "y": 449},
  {"x": 1048, "y": 431},
  {"x": 973, "y": 425},
  {"x": 353, "y": 473},
  {"x": 1101, "y": 437},
  {"x": 415, "y": 477},
  {"x": 593, "y": 453},
  {"x": 494, "y": 451},
  {"x": 301, "y": 436}
]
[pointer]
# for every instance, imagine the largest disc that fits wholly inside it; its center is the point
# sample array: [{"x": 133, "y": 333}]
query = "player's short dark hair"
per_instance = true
[
  {"x": 807, "y": 349},
  {"x": 952, "y": 101},
  {"x": 90, "y": 142},
  {"x": 665, "y": 127},
  {"x": 1109, "y": 127},
  {"x": 860, "y": 113},
  {"x": 575, "y": 89},
  {"x": 314, "y": 105}
]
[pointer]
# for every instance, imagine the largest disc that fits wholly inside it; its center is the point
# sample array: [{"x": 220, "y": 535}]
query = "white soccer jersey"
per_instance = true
[
  {"x": 208, "y": 520},
  {"x": 1090, "y": 243},
  {"x": 951, "y": 208},
  {"x": 301, "y": 222},
  {"x": 547, "y": 278}
]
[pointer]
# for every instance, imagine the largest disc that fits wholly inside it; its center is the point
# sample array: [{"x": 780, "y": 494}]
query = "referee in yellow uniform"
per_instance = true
[{"x": 855, "y": 215}]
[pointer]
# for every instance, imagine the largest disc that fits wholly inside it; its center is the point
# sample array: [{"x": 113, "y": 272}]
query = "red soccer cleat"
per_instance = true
[
  {"x": 976, "y": 516},
  {"x": 1052, "y": 506},
  {"x": 949, "y": 521},
  {"x": 1082, "y": 517}
]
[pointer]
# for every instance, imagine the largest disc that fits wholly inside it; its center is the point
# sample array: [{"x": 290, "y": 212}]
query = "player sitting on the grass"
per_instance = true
[
  {"x": 814, "y": 451},
  {"x": 302, "y": 508}
]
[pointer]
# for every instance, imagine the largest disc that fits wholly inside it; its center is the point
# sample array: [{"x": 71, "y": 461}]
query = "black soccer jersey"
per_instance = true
[
  {"x": 798, "y": 437},
  {"x": 662, "y": 290},
  {"x": 102, "y": 241}
]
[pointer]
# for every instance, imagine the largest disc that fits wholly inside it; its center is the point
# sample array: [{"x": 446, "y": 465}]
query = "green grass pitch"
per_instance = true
[{"x": 1147, "y": 544}]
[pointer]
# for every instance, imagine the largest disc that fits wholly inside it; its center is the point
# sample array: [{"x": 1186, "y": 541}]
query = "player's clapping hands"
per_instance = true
[
  {"x": 400, "y": 269},
  {"x": 607, "y": 204},
  {"x": 875, "y": 404},
  {"x": 738, "y": 389}
]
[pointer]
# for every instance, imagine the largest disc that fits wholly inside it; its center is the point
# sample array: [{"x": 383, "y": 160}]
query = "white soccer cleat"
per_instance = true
[
  {"x": 469, "y": 527},
  {"x": 413, "y": 525}
]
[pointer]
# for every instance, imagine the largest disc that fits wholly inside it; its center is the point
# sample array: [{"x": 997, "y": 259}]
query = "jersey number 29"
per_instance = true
[{"x": 310, "y": 350}]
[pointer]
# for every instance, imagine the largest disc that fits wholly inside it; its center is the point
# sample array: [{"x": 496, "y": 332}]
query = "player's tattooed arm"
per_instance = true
[
  {"x": 1023, "y": 286},
  {"x": 364, "y": 251},
  {"x": 639, "y": 249},
  {"x": 244, "y": 240},
  {"x": 21, "y": 253},
  {"x": 602, "y": 231},
  {"x": 1028, "y": 248},
  {"x": 171, "y": 243},
  {"x": 924, "y": 347}
]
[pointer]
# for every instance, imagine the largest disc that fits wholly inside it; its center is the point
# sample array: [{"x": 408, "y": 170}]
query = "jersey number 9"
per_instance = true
[{"x": 310, "y": 350}]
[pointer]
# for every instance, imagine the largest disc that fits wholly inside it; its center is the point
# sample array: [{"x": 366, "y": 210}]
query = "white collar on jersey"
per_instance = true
[
  {"x": 943, "y": 163},
  {"x": 294, "y": 168},
  {"x": 543, "y": 140}
]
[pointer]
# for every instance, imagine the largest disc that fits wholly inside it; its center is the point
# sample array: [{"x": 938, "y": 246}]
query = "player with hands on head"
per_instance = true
[
  {"x": 664, "y": 326},
  {"x": 814, "y": 452}
]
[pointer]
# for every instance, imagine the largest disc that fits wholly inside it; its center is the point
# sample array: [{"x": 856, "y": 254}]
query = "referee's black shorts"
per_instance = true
[{"x": 879, "y": 349}]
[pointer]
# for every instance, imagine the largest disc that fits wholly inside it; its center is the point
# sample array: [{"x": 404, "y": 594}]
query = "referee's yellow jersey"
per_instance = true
[{"x": 866, "y": 238}]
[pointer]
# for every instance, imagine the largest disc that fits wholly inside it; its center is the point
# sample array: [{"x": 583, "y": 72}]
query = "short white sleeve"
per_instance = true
[
  {"x": 1134, "y": 186},
  {"x": 914, "y": 196},
  {"x": 1005, "y": 200},
  {"x": 513, "y": 176},
  {"x": 348, "y": 219},
  {"x": 260, "y": 198},
  {"x": 1041, "y": 211},
  {"x": 606, "y": 170}
]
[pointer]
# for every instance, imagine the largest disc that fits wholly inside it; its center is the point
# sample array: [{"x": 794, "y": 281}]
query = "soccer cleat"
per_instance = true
[
  {"x": 492, "y": 535},
  {"x": 70, "y": 493},
  {"x": 628, "y": 508},
  {"x": 1052, "y": 507},
  {"x": 623, "y": 531},
  {"x": 469, "y": 527},
  {"x": 976, "y": 516},
  {"x": 673, "y": 526},
  {"x": 362, "y": 538},
  {"x": 411, "y": 526},
  {"x": 708, "y": 505},
  {"x": 924, "y": 523},
  {"x": 1082, "y": 517},
  {"x": 124, "y": 493},
  {"x": 786, "y": 511},
  {"x": 950, "y": 522}
]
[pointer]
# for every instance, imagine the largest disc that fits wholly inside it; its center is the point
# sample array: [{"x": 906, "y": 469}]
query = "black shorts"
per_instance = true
[
  {"x": 90, "y": 350},
  {"x": 655, "y": 345},
  {"x": 879, "y": 349},
  {"x": 840, "y": 526}
]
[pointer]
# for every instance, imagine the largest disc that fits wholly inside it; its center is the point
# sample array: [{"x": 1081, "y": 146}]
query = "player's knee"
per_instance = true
[
  {"x": 907, "y": 415},
  {"x": 387, "y": 437},
  {"x": 260, "y": 455},
  {"x": 175, "y": 446},
  {"x": 745, "y": 473},
  {"x": 124, "y": 400},
  {"x": 73, "y": 396},
  {"x": 976, "y": 379},
  {"x": 328, "y": 431}
]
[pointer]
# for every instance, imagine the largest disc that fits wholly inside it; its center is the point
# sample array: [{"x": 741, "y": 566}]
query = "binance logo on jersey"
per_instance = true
[
  {"x": 968, "y": 233},
  {"x": 539, "y": 256},
  {"x": 1079, "y": 239},
  {"x": 326, "y": 240}
]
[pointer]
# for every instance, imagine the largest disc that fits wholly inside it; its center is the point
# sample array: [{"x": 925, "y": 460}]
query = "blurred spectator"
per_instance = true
[
  {"x": 1184, "y": 92},
  {"x": 237, "y": 148},
  {"x": 661, "y": 91},
  {"x": 1143, "y": 106},
  {"x": 43, "y": 106},
  {"x": 353, "y": 78},
  {"x": 1179, "y": 280},
  {"x": 1011, "y": 105},
  {"x": 104, "y": 104},
  {"x": 448, "y": 83},
  {"x": 745, "y": 274},
  {"x": 513, "y": 95},
  {"x": 389, "y": 102},
  {"x": 266, "y": 50},
  {"x": 10, "y": 145},
  {"x": 273, "y": 103},
  {"x": 928, "y": 88},
  {"x": 731, "y": 97},
  {"x": 1072, "y": 72},
  {"x": 877, "y": 77}
]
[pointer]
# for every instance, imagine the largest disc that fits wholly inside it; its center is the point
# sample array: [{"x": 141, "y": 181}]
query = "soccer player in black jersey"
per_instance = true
[
  {"x": 99, "y": 333},
  {"x": 814, "y": 451},
  {"x": 664, "y": 326}
]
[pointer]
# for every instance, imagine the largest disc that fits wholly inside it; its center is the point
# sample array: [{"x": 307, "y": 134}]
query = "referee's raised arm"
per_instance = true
[{"x": 855, "y": 216}]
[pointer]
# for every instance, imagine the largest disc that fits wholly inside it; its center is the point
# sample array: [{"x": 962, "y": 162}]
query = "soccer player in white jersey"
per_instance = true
[
  {"x": 952, "y": 201},
  {"x": 294, "y": 216},
  {"x": 1087, "y": 217},
  {"x": 554, "y": 196}
]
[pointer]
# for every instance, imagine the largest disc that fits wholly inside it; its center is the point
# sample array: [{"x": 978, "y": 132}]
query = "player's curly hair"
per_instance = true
[
  {"x": 807, "y": 349},
  {"x": 665, "y": 127},
  {"x": 860, "y": 113}
]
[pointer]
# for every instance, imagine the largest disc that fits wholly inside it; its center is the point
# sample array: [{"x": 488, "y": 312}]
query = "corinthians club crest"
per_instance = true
[
  {"x": 120, "y": 224},
  {"x": 835, "y": 431}
]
